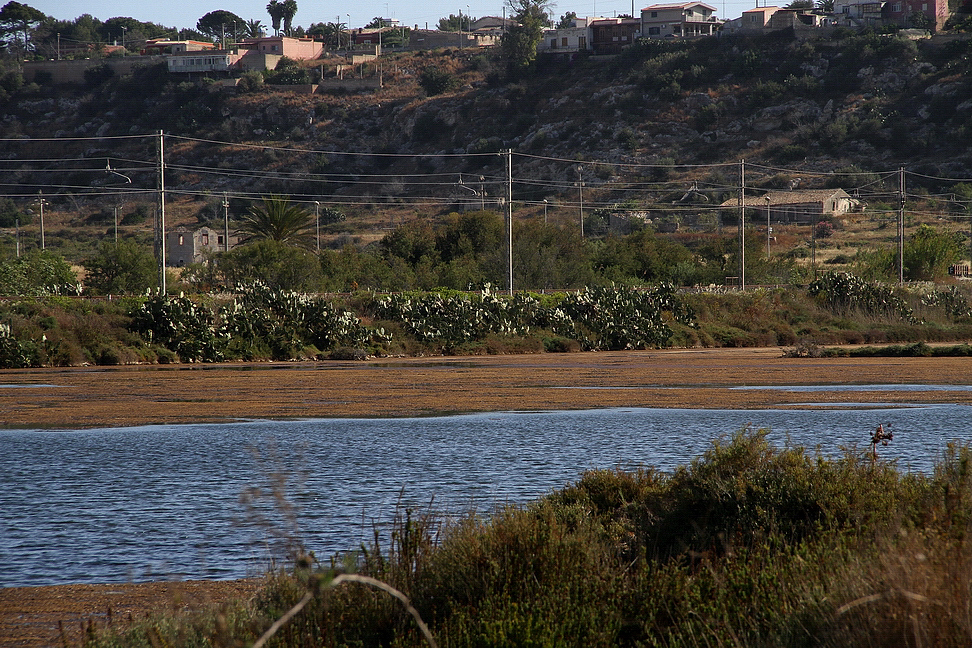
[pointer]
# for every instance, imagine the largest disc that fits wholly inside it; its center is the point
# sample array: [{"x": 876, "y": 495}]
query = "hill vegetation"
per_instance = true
[{"x": 617, "y": 169}]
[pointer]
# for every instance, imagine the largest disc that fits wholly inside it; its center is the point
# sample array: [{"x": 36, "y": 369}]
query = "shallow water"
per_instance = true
[{"x": 157, "y": 502}]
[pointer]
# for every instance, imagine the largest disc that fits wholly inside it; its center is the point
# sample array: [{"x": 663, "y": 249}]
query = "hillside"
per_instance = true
[{"x": 642, "y": 131}]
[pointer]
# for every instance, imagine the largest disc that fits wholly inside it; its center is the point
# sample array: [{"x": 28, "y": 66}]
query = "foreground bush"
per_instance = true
[
  {"x": 749, "y": 545},
  {"x": 265, "y": 323}
]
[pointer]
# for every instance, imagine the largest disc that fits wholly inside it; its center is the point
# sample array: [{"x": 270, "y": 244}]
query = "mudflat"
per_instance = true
[{"x": 139, "y": 395}]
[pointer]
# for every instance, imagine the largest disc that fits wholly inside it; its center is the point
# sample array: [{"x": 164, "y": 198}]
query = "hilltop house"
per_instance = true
[
  {"x": 751, "y": 20},
  {"x": 929, "y": 14},
  {"x": 679, "y": 20},
  {"x": 798, "y": 207},
  {"x": 250, "y": 54},
  {"x": 159, "y": 46},
  {"x": 576, "y": 38},
  {"x": 610, "y": 35},
  {"x": 199, "y": 61},
  {"x": 426, "y": 39},
  {"x": 493, "y": 24}
]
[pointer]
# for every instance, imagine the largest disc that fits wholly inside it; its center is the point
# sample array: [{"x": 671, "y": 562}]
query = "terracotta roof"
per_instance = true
[{"x": 789, "y": 197}]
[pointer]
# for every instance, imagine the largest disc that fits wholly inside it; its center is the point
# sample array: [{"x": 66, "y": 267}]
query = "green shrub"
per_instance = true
[
  {"x": 37, "y": 273},
  {"x": 436, "y": 81}
]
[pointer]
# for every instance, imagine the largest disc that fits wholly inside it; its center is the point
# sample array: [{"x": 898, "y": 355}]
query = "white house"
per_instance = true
[
  {"x": 576, "y": 38},
  {"x": 678, "y": 20}
]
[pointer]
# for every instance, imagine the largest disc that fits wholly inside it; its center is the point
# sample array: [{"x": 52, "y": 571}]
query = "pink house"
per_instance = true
[
  {"x": 757, "y": 18},
  {"x": 299, "y": 49}
]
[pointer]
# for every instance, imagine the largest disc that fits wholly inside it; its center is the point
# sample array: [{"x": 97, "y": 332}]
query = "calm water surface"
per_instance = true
[{"x": 158, "y": 502}]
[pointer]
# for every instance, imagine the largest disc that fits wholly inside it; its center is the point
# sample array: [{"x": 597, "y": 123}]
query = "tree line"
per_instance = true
[{"x": 459, "y": 251}]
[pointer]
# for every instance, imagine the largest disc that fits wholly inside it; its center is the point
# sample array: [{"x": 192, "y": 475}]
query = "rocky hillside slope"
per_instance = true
[{"x": 868, "y": 102}]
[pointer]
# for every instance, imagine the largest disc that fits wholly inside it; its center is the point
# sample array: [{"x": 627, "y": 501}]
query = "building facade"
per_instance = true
[
  {"x": 183, "y": 246},
  {"x": 681, "y": 20},
  {"x": 611, "y": 35}
]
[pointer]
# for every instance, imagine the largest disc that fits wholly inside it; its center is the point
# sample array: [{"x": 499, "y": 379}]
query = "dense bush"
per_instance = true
[
  {"x": 37, "y": 273},
  {"x": 261, "y": 323},
  {"x": 749, "y": 545},
  {"x": 597, "y": 318},
  {"x": 435, "y": 81},
  {"x": 121, "y": 268},
  {"x": 845, "y": 293}
]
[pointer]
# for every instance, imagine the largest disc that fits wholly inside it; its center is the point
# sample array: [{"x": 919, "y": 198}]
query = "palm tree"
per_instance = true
[
  {"x": 253, "y": 28},
  {"x": 276, "y": 10},
  {"x": 277, "y": 219},
  {"x": 289, "y": 11}
]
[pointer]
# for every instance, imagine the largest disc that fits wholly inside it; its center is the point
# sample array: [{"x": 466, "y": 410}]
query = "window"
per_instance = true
[
  {"x": 563, "y": 41},
  {"x": 553, "y": 43},
  {"x": 688, "y": 12},
  {"x": 924, "y": 6},
  {"x": 182, "y": 240},
  {"x": 582, "y": 42},
  {"x": 205, "y": 239},
  {"x": 654, "y": 14},
  {"x": 896, "y": 7},
  {"x": 754, "y": 18},
  {"x": 219, "y": 240},
  {"x": 653, "y": 31}
]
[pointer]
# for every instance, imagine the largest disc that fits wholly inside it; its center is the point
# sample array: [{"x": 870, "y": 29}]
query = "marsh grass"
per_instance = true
[{"x": 748, "y": 545}]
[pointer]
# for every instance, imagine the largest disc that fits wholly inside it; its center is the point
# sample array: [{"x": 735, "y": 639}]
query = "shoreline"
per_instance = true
[
  {"x": 89, "y": 397},
  {"x": 33, "y": 617}
]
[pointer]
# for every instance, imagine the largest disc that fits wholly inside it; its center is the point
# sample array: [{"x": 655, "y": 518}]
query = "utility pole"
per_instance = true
[
  {"x": 509, "y": 210},
  {"x": 742, "y": 225},
  {"x": 317, "y": 219},
  {"x": 41, "y": 202},
  {"x": 161, "y": 245},
  {"x": 813, "y": 245},
  {"x": 901, "y": 224},
  {"x": 225, "y": 222},
  {"x": 580, "y": 190},
  {"x": 768, "y": 228}
]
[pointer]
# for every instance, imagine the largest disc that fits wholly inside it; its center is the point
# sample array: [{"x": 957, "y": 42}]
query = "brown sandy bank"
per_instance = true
[
  {"x": 87, "y": 397},
  {"x": 100, "y": 396},
  {"x": 58, "y": 615}
]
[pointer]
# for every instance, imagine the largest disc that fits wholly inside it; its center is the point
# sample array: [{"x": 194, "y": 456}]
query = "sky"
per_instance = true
[{"x": 409, "y": 12}]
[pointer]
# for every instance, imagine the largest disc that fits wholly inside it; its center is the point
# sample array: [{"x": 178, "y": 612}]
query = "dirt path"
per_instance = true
[{"x": 102, "y": 397}]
